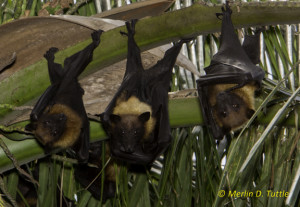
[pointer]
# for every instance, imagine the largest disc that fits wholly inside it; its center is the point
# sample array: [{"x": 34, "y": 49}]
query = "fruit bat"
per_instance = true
[
  {"x": 91, "y": 177},
  {"x": 59, "y": 119},
  {"x": 226, "y": 92},
  {"x": 137, "y": 120}
]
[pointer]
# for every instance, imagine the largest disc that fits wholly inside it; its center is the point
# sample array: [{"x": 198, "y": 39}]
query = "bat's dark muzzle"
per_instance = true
[{"x": 127, "y": 149}]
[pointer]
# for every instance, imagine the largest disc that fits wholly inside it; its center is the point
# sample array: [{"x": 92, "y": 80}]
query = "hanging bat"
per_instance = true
[
  {"x": 91, "y": 177},
  {"x": 136, "y": 119},
  {"x": 226, "y": 92},
  {"x": 59, "y": 119}
]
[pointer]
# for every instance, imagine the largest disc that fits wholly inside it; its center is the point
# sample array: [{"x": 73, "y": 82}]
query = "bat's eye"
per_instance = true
[
  {"x": 135, "y": 132},
  {"x": 224, "y": 114},
  {"x": 236, "y": 106},
  {"x": 54, "y": 133},
  {"x": 46, "y": 122}
]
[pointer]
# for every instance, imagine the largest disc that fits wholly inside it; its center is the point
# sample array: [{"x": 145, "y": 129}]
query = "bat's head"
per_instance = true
[
  {"x": 128, "y": 130},
  {"x": 50, "y": 127},
  {"x": 127, "y": 138},
  {"x": 231, "y": 111}
]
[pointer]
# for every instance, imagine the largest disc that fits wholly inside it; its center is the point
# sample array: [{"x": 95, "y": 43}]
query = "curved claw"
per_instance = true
[
  {"x": 225, "y": 9},
  {"x": 259, "y": 30},
  {"x": 130, "y": 25},
  {"x": 123, "y": 33},
  {"x": 96, "y": 36},
  {"x": 219, "y": 15},
  {"x": 49, "y": 55},
  {"x": 186, "y": 40}
]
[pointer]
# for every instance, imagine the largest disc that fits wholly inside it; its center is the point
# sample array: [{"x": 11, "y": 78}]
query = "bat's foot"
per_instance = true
[
  {"x": 225, "y": 9},
  {"x": 259, "y": 30},
  {"x": 49, "y": 55},
  {"x": 182, "y": 41},
  {"x": 130, "y": 25},
  {"x": 186, "y": 40},
  {"x": 96, "y": 37}
]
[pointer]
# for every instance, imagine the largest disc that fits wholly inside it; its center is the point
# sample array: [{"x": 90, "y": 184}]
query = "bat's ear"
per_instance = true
[
  {"x": 250, "y": 112},
  {"x": 33, "y": 117},
  {"x": 30, "y": 127},
  {"x": 114, "y": 118},
  {"x": 144, "y": 116}
]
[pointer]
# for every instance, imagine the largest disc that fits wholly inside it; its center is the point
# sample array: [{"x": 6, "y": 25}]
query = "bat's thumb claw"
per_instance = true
[
  {"x": 219, "y": 15},
  {"x": 123, "y": 33}
]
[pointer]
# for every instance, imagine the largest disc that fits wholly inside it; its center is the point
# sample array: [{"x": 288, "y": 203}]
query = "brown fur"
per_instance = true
[
  {"x": 112, "y": 167},
  {"x": 72, "y": 131},
  {"x": 129, "y": 121},
  {"x": 130, "y": 109},
  {"x": 234, "y": 120},
  {"x": 111, "y": 171}
]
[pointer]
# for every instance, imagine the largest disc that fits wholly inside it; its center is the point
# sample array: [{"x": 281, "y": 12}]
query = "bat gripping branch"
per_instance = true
[
  {"x": 130, "y": 25},
  {"x": 225, "y": 9}
]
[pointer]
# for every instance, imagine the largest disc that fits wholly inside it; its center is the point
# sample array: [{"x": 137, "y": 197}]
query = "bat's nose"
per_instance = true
[{"x": 128, "y": 149}]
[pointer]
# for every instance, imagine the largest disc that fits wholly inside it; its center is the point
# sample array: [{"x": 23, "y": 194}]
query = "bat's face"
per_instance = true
[
  {"x": 231, "y": 111},
  {"x": 127, "y": 136},
  {"x": 50, "y": 127}
]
